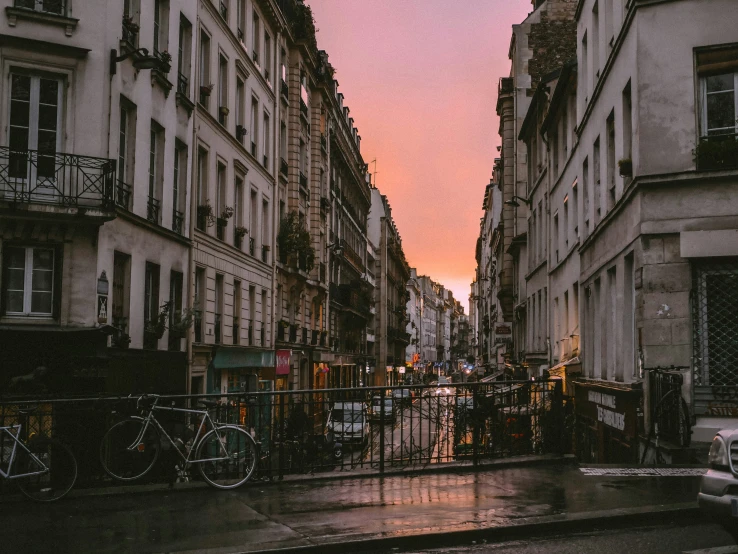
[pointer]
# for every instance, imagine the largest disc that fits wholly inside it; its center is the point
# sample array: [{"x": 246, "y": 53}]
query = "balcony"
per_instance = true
[
  {"x": 283, "y": 168},
  {"x": 265, "y": 254},
  {"x": 123, "y": 195},
  {"x": 303, "y": 180},
  {"x": 55, "y": 179},
  {"x": 152, "y": 210},
  {"x": 353, "y": 258},
  {"x": 178, "y": 222},
  {"x": 717, "y": 152},
  {"x": 325, "y": 204},
  {"x": 303, "y": 109},
  {"x": 349, "y": 297}
]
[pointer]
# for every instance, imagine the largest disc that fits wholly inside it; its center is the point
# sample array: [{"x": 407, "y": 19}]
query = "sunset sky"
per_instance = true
[{"x": 420, "y": 78}]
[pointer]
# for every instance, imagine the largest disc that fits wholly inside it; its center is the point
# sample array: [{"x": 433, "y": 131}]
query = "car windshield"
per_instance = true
[{"x": 347, "y": 416}]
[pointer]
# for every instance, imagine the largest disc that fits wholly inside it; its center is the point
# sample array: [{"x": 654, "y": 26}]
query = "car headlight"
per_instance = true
[{"x": 718, "y": 456}]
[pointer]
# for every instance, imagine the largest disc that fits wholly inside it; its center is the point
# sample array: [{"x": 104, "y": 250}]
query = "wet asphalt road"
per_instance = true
[
  {"x": 703, "y": 538},
  {"x": 311, "y": 512}
]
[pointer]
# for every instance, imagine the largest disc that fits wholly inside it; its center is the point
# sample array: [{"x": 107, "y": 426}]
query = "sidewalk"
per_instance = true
[{"x": 326, "y": 515}]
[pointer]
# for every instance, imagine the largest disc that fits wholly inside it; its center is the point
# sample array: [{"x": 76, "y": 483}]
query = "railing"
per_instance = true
[
  {"x": 253, "y": 148},
  {"x": 123, "y": 195},
  {"x": 67, "y": 180},
  {"x": 303, "y": 108},
  {"x": 353, "y": 258},
  {"x": 303, "y": 180},
  {"x": 325, "y": 204},
  {"x": 284, "y": 89},
  {"x": 178, "y": 222},
  {"x": 415, "y": 427},
  {"x": 717, "y": 152},
  {"x": 58, "y": 7},
  {"x": 265, "y": 254},
  {"x": 152, "y": 209},
  {"x": 183, "y": 85},
  {"x": 252, "y": 246},
  {"x": 223, "y": 11},
  {"x": 348, "y": 296},
  {"x": 283, "y": 168}
]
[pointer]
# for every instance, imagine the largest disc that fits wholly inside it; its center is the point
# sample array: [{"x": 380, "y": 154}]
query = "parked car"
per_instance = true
[
  {"x": 402, "y": 396},
  {"x": 349, "y": 423},
  {"x": 375, "y": 410},
  {"x": 443, "y": 389},
  {"x": 718, "y": 494}
]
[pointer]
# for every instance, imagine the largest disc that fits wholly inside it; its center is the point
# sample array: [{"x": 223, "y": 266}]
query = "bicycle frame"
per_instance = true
[
  {"x": 16, "y": 442},
  {"x": 151, "y": 419}
]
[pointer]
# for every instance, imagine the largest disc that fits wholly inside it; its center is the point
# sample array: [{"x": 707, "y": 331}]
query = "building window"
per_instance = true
[
  {"x": 266, "y": 149},
  {"x": 254, "y": 124},
  {"x": 121, "y": 297},
  {"x": 236, "y": 311},
  {"x": 596, "y": 179},
  {"x": 156, "y": 170},
  {"x": 126, "y": 153},
  {"x": 176, "y": 280},
  {"x": 58, "y": 7},
  {"x": 241, "y": 21},
  {"x": 184, "y": 57},
  {"x": 719, "y": 100},
  {"x": 206, "y": 86},
  {"x": 255, "y": 39},
  {"x": 240, "y": 110},
  {"x": 199, "y": 301},
  {"x": 151, "y": 304},
  {"x": 223, "y": 91},
  {"x": 202, "y": 188},
  {"x": 218, "y": 322},
  {"x": 161, "y": 31},
  {"x": 220, "y": 202},
  {"x": 179, "y": 187},
  {"x": 28, "y": 280},
  {"x": 267, "y": 57},
  {"x": 610, "y": 127},
  {"x": 238, "y": 206},
  {"x": 34, "y": 124}
]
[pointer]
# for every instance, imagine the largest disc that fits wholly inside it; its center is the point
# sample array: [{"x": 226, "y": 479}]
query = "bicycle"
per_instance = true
[
  {"x": 225, "y": 454},
  {"x": 45, "y": 469}
]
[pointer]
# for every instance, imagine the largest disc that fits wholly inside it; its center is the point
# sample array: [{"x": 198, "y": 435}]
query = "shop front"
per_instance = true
[
  {"x": 607, "y": 422},
  {"x": 240, "y": 369}
]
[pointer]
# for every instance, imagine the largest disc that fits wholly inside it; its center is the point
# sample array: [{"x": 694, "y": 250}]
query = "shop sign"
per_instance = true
[
  {"x": 283, "y": 362},
  {"x": 401, "y": 370},
  {"x": 390, "y": 368},
  {"x": 611, "y": 407}
]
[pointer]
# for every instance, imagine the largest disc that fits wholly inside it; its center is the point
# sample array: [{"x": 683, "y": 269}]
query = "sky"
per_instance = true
[{"x": 420, "y": 78}]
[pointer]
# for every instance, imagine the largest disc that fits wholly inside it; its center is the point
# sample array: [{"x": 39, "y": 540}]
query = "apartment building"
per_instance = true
[
  {"x": 656, "y": 126},
  {"x": 235, "y": 172},
  {"x": 414, "y": 322},
  {"x": 95, "y": 194},
  {"x": 392, "y": 297}
]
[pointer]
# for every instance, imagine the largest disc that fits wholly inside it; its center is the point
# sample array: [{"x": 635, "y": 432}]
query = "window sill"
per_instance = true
[{"x": 14, "y": 14}]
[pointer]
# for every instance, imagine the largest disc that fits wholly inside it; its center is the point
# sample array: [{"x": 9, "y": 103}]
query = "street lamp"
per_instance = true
[
  {"x": 335, "y": 247},
  {"x": 141, "y": 59},
  {"x": 514, "y": 203}
]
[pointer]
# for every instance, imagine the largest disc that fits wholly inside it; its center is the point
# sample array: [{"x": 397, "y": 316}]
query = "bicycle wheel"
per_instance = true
[
  {"x": 228, "y": 456},
  {"x": 57, "y": 465},
  {"x": 122, "y": 457}
]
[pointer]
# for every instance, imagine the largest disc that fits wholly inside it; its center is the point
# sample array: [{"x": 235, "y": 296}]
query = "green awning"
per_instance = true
[{"x": 237, "y": 357}]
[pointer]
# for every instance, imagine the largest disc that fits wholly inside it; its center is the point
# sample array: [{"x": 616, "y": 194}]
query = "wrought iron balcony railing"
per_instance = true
[
  {"x": 717, "y": 152},
  {"x": 283, "y": 168},
  {"x": 67, "y": 180},
  {"x": 303, "y": 108},
  {"x": 220, "y": 228},
  {"x": 123, "y": 195},
  {"x": 178, "y": 222},
  {"x": 303, "y": 180},
  {"x": 284, "y": 89},
  {"x": 252, "y": 246},
  {"x": 183, "y": 85},
  {"x": 152, "y": 209}
]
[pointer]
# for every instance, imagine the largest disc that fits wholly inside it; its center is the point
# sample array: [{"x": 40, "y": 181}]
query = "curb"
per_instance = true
[{"x": 686, "y": 513}]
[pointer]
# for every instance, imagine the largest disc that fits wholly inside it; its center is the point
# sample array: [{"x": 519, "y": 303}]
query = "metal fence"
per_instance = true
[{"x": 331, "y": 430}]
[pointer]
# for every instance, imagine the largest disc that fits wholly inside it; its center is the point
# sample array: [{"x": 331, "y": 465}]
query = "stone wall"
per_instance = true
[{"x": 553, "y": 39}]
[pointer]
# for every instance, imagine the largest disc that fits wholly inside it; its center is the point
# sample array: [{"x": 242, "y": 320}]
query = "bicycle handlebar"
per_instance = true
[{"x": 145, "y": 397}]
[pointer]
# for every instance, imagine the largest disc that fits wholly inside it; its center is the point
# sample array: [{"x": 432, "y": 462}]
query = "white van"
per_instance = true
[{"x": 349, "y": 423}]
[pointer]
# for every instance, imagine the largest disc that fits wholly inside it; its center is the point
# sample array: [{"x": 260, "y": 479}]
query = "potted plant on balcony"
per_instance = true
[
  {"x": 626, "y": 167},
  {"x": 166, "y": 61},
  {"x": 717, "y": 152},
  {"x": 239, "y": 232},
  {"x": 205, "y": 216},
  {"x": 227, "y": 213},
  {"x": 224, "y": 111},
  {"x": 182, "y": 322},
  {"x": 205, "y": 90},
  {"x": 155, "y": 327}
]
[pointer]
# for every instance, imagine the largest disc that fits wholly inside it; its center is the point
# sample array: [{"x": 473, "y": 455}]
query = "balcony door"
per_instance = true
[{"x": 34, "y": 138}]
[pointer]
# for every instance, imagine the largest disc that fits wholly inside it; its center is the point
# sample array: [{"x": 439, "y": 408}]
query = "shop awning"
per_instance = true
[
  {"x": 559, "y": 369},
  {"x": 237, "y": 357}
]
